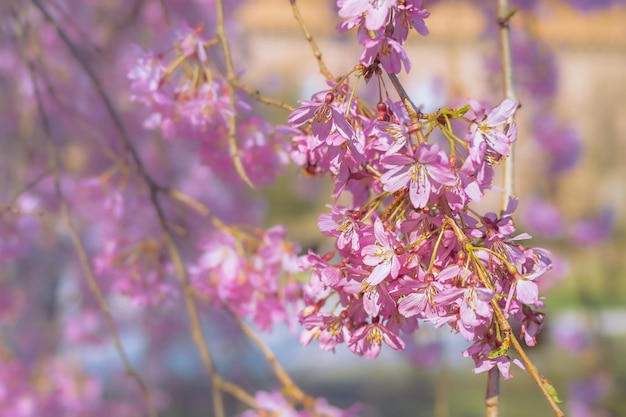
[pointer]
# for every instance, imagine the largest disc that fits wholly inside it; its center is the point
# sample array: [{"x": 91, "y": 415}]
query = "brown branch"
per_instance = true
[
  {"x": 317, "y": 53},
  {"x": 166, "y": 236},
  {"x": 256, "y": 94},
  {"x": 493, "y": 378},
  {"x": 492, "y": 395},
  {"x": 194, "y": 319},
  {"x": 414, "y": 112},
  {"x": 81, "y": 251},
  {"x": 289, "y": 385},
  {"x": 231, "y": 76},
  {"x": 502, "y": 321},
  {"x": 508, "y": 85}
]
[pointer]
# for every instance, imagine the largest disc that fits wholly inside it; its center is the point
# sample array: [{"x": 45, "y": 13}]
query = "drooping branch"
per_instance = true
[
  {"x": 317, "y": 53},
  {"x": 504, "y": 15},
  {"x": 153, "y": 189},
  {"x": 505, "y": 328},
  {"x": 80, "y": 248},
  {"x": 506, "y": 58}
]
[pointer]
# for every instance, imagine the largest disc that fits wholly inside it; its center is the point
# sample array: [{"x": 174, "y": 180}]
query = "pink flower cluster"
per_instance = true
[
  {"x": 243, "y": 272},
  {"x": 55, "y": 387},
  {"x": 383, "y": 26},
  {"x": 409, "y": 248},
  {"x": 189, "y": 99}
]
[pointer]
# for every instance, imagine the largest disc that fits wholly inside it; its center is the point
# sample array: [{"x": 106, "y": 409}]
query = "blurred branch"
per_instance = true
[
  {"x": 192, "y": 312},
  {"x": 307, "y": 35},
  {"x": 80, "y": 248},
  {"x": 492, "y": 395},
  {"x": 231, "y": 76},
  {"x": 166, "y": 235}
]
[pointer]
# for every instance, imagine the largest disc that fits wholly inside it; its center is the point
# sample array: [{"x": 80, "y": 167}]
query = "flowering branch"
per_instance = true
[
  {"x": 76, "y": 240},
  {"x": 82, "y": 253},
  {"x": 194, "y": 320},
  {"x": 509, "y": 338}
]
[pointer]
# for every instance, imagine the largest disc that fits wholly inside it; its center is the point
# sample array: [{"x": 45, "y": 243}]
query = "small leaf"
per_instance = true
[
  {"x": 551, "y": 390},
  {"x": 462, "y": 110},
  {"x": 496, "y": 353}
]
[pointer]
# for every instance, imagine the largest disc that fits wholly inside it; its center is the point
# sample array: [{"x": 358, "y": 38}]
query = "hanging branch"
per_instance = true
[
  {"x": 492, "y": 395},
  {"x": 414, "y": 112},
  {"x": 506, "y": 58},
  {"x": 505, "y": 328},
  {"x": 76, "y": 240},
  {"x": 317, "y": 53},
  {"x": 194, "y": 320},
  {"x": 153, "y": 188}
]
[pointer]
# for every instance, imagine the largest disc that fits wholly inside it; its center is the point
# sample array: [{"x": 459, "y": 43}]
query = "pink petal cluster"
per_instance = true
[
  {"x": 248, "y": 279},
  {"x": 397, "y": 260},
  {"x": 189, "y": 99},
  {"x": 374, "y": 20}
]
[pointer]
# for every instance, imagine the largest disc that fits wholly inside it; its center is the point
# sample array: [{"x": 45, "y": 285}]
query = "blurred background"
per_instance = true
[
  {"x": 570, "y": 65},
  {"x": 570, "y": 177}
]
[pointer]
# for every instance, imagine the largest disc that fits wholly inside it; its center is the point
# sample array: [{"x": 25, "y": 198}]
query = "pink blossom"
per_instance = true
[
  {"x": 381, "y": 255},
  {"x": 410, "y": 15},
  {"x": 388, "y": 51},
  {"x": 325, "y": 118},
  {"x": 327, "y": 328},
  {"x": 376, "y": 11},
  {"x": 485, "y": 127},
  {"x": 341, "y": 224},
  {"x": 425, "y": 172},
  {"x": 367, "y": 340}
]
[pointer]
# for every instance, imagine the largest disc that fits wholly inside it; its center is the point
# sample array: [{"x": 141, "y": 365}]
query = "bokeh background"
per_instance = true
[{"x": 570, "y": 178}]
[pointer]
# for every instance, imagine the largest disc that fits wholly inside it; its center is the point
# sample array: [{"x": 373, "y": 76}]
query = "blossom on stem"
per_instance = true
[
  {"x": 410, "y": 15},
  {"x": 341, "y": 224},
  {"x": 376, "y": 11},
  {"x": 388, "y": 51},
  {"x": 325, "y": 118},
  {"x": 425, "y": 172},
  {"x": 381, "y": 255},
  {"x": 485, "y": 127},
  {"x": 367, "y": 340}
]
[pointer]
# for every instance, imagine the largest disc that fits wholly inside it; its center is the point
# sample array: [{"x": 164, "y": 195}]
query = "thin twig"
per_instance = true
[
  {"x": 220, "y": 34},
  {"x": 194, "y": 319},
  {"x": 288, "y": 383},
  {"x": 256, "y": 94},
  {"x": 508, "y": 84},
  {"x": 317, "y": 53},
  {"x": 82, "y": 253},
  {"x": 414, "y": 112},
  {"x": 502, "y": 321},
  {"x": 237, "y": 392},
  {"x": 166, "y": 236}
]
